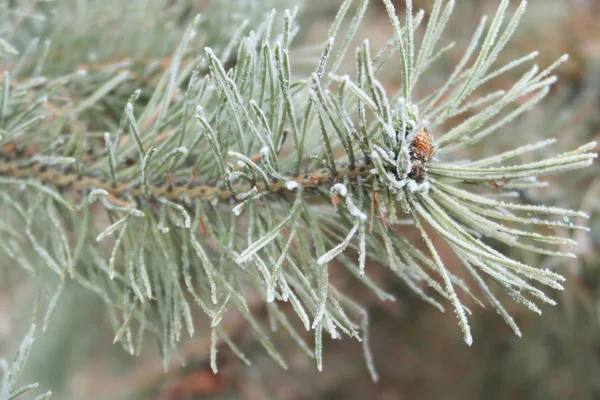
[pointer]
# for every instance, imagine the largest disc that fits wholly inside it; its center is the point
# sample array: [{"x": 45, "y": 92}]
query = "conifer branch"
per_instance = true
[
  {"x": 11, "y": 373},
  {"x": 225, "y": 171}
]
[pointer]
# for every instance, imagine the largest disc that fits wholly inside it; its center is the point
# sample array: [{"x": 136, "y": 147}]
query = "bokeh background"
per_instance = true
[{"x": 418, "y": 352}]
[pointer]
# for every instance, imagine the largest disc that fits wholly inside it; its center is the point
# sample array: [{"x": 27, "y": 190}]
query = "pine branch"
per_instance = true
[
  {"x": 217, "y": 176},
  {"x": 11, "y": 374}
]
